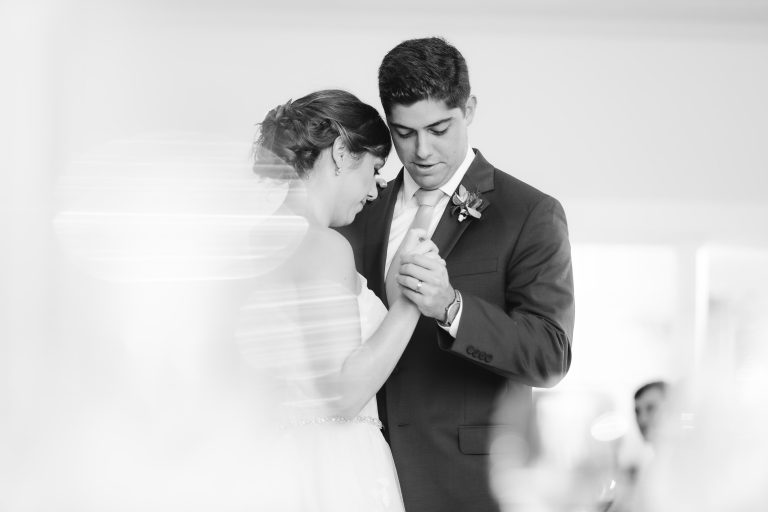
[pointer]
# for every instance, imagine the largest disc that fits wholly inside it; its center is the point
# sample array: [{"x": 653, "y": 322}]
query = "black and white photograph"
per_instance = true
[{"x": 401, "y": 256}]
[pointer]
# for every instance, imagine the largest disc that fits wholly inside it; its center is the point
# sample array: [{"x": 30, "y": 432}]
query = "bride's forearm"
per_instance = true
[
  {"x": 367, "y": 367},
  {"x": 375, "y": 359}
]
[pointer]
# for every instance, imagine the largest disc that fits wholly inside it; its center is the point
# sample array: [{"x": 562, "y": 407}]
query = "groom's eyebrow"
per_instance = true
[{"x": 441, "y": 121}]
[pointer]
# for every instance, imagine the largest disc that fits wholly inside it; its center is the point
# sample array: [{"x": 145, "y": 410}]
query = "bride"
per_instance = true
[{"x": 327, "y": 341}]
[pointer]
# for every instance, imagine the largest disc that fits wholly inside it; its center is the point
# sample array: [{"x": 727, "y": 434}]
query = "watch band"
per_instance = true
[{"x": 453, "y": 307}]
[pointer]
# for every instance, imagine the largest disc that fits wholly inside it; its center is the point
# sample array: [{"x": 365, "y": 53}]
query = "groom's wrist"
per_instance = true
[{"x": 451, "y": 310}]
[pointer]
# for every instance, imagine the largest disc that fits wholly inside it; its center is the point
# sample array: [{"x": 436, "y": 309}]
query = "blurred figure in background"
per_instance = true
[
  {"x": 649, "y": 400},
  {"x": 635, "y": 461}
]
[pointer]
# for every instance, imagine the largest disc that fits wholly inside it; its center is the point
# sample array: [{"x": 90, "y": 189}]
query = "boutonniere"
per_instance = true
[{"x": 467, "y": 204}]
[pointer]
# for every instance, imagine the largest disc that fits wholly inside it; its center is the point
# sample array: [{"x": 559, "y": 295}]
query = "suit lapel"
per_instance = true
[
  {"x": 377, "y": 236},
  {"x": 479, "y": 177}
]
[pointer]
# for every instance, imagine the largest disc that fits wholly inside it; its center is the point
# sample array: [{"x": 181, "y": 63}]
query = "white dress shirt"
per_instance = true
[{"x": 405, "y": 211}]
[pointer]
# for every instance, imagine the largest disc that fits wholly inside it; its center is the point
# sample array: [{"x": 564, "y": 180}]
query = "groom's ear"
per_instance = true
[
  {"x": 338, "y": 152},
  {"x": 469, "y": 109}
]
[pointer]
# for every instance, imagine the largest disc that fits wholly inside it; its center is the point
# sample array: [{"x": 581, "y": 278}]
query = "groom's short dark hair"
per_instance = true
[{"x": 420, "y": 69}]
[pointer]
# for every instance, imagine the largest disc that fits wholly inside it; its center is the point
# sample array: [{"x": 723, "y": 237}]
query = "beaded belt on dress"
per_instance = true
[{"x": 335, "y": 420}]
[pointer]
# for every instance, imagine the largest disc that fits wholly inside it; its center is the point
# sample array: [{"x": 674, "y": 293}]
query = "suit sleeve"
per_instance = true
[{"x": 529, "y": 339}]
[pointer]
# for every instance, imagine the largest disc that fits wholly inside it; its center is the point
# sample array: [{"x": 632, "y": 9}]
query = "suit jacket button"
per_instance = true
[{"x": 471, "y": 350}]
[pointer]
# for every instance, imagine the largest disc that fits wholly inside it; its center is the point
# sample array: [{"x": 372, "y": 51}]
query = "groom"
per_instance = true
[{"x": 497, "y": 318}]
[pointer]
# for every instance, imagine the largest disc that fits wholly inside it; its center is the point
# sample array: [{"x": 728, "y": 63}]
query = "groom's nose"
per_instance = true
[{"x": 423, "y": 147}]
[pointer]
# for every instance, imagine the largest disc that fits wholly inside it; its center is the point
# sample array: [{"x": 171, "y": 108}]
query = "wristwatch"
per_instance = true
[{"x": 451, "y": 310}]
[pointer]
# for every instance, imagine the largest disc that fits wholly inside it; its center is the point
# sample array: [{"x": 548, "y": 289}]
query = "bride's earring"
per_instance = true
[{"x": 338, "y": 171}]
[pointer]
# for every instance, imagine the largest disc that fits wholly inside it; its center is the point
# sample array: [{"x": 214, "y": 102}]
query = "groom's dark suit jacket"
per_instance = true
[{"x": 513, "y": 268}]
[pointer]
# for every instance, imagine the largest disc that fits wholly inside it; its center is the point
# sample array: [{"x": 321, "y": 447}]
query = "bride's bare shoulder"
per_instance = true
[{"x": 326, "y": 254}]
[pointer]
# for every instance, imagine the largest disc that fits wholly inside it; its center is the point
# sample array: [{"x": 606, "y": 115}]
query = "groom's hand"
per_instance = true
[{"x": 435, "y": 292}]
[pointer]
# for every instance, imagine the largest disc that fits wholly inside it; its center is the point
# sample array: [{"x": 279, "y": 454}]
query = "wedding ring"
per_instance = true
[{"x": 418, "y": 286}]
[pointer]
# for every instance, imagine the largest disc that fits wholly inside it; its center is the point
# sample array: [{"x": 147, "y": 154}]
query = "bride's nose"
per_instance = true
[{"x": 373, "y": 193}]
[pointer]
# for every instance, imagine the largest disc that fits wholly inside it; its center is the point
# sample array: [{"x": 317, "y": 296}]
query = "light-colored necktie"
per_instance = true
[{"x": 427, "y": 199}]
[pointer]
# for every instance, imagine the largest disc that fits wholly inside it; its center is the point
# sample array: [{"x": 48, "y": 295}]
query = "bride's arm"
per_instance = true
[{"x": 367, "y": 366}]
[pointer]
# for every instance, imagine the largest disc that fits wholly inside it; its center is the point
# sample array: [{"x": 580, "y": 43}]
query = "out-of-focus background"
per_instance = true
[{"x": 648, "y": 120}]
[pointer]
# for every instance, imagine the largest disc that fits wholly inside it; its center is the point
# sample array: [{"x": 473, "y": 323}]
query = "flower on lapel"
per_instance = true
[{"x": 467, "y": 204}]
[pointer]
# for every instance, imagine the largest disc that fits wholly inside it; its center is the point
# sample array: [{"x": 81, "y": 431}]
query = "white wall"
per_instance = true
[{"x": 660, "y": 121}]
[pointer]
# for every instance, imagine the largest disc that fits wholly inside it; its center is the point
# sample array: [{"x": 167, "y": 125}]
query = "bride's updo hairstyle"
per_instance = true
[{"x": 295, "y": 132}]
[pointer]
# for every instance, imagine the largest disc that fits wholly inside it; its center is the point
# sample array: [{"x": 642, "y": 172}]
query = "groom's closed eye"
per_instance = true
[
  {"x": 440, "y": 128},
  {"x": 436, "y": 129}
]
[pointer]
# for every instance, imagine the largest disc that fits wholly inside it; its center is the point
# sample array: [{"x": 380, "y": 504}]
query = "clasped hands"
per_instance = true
[{"x": 423, "y": 276}]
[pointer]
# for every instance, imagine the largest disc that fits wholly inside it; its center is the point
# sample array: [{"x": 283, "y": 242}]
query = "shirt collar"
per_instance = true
[{"x": 449, "y": 187}]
